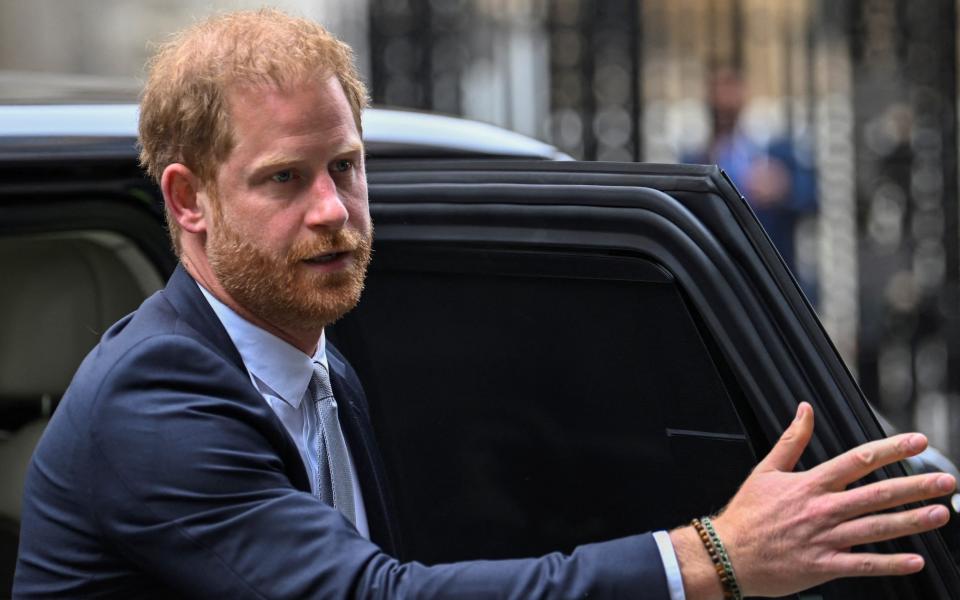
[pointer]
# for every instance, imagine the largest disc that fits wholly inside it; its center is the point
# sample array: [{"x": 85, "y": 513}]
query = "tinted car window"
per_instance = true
[{"x": 531, "y": 402}]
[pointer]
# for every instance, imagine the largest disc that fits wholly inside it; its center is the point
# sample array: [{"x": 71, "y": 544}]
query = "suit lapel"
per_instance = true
[
  {"x": 366, "y": 455},
  {"x": 183, "y": 292}
]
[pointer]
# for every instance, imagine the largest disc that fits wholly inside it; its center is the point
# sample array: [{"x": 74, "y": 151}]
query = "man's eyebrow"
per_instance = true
[
  {"x": 274, "y": 160},
  {"x": 283, "y": 159},
  {"x": 351, "y": 147}
]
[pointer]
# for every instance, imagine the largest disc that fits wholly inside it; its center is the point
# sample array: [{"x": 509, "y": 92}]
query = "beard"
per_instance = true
[{"x": 279, "y": 288}]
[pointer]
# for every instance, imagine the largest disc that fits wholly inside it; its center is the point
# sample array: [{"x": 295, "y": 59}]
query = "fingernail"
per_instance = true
[
  {"x": 945, "y": 483},
  {"x": 915, "y": 563},
  {"x": 917, "y": 442},
  {"x": 938, "y": 514},
  {"x": 800, "y": 410}
]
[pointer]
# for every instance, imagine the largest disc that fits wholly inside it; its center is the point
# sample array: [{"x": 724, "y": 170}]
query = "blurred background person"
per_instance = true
[{"x": 775, "y": 174}]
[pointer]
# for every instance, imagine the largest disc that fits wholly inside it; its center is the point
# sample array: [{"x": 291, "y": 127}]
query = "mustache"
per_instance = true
[{"x": 344, "y": 240}]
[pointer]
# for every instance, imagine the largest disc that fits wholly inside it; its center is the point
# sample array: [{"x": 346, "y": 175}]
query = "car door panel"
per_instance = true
[{"x": 478, "y": 266}]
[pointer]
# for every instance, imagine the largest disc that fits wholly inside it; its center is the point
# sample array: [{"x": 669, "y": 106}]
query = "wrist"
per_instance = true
[
  {"x": 718, "y": 555},
  {"x": 700, "y": 581}
]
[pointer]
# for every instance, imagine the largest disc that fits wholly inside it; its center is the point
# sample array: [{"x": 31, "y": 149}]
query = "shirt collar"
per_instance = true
[{"x": 272, "y": 363}]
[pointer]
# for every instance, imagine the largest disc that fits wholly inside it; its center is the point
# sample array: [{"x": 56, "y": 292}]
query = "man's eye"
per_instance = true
[
  {"x": 343, "y": 165},
  {"x": 282, "y": 176}
]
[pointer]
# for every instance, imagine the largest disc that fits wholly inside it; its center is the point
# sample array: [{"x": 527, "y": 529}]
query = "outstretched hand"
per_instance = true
[{"x": 786, "y": 531}]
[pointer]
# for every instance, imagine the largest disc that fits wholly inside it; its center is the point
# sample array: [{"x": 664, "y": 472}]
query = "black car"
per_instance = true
[{"x": 555, "y": 352}]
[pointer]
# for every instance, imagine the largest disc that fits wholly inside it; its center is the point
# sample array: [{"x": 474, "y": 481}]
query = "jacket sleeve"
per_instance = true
[{"x": 192, "y": 489}]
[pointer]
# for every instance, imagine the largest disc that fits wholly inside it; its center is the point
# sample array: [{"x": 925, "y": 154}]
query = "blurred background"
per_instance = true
[{"x": 836, "y": 118}]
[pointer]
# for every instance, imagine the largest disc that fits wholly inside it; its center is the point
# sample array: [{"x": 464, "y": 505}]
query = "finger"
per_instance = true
[
  {"x": 892, "y": 492},
  {"x": 887, "y": 526},
  {"x": 788, "y": 449},
  {"x": 841, "y": 471},
  {"x": 863, "y": 564}
]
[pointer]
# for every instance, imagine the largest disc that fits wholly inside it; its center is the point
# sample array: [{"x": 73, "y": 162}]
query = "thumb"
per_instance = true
[{"x": 788, "y": 449}]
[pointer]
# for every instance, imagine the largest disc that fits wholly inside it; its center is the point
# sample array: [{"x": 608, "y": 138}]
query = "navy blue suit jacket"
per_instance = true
[{"x": 164, "y": 473}]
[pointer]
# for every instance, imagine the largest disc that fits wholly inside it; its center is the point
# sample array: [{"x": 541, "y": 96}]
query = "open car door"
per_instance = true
[{"x": 561, "y": 353}]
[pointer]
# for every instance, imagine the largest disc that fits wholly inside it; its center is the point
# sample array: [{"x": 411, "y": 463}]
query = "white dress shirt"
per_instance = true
[{"x": 281, "y": 373}]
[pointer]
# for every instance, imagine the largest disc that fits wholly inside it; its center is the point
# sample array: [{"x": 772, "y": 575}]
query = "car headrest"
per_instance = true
[{"x": 59, "y": 294}]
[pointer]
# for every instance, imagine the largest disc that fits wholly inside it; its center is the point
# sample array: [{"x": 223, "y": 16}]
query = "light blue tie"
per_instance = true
[{"x": 334, "y": 480}]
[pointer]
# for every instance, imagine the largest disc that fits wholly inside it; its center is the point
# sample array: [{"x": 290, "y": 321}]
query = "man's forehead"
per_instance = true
[
  {"x": 322, "y": 101},
  {"x": 322, "y": 82}
]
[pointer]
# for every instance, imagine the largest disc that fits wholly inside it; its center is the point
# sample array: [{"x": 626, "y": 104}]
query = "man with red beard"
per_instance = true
[{"x": 214, "y": 445}]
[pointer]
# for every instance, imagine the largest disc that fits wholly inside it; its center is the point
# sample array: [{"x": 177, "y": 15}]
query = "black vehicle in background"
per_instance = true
[{"x": 554, "y": 352}]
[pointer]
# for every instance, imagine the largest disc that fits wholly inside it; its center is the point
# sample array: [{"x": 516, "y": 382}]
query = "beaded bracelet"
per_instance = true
[
  {"x": 724, "y": 558},
  {"x": 718, "y": 554}
]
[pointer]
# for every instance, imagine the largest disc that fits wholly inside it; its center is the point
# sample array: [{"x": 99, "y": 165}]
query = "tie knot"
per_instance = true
[{"x": 320, "y": 383}]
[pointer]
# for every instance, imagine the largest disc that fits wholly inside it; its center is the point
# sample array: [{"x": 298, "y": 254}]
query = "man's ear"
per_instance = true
[{"x": 181, "y": 192}]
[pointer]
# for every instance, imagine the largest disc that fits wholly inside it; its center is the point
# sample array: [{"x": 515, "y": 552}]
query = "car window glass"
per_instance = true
[{"x": 522, "y": 414}]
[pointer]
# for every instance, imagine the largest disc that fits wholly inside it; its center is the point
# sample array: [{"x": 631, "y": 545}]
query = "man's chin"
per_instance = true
[
  {"x": 316, "y": 318},
  {"x": 320, "y": 305}
]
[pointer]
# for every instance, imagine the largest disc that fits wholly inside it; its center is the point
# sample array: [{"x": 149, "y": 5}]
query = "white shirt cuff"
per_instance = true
[{"x": 670, "y": 565}]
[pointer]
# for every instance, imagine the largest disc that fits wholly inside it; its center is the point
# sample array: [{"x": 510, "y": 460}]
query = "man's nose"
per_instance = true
[{"x": 326, "y": 210}]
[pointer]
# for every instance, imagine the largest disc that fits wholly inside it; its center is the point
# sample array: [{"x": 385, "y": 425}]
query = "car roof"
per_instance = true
[{"x": 28, "y": 130}]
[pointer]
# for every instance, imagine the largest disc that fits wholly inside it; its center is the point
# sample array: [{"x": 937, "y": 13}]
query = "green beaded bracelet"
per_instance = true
[{"x": 730, "y": 581}]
